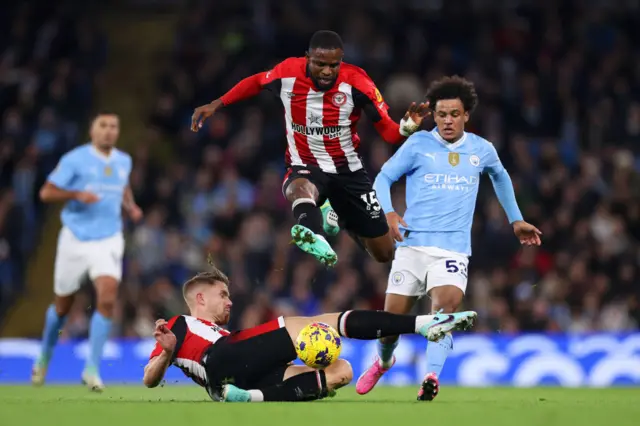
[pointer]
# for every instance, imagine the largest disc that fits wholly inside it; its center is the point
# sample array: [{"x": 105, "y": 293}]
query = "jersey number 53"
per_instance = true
[{"x": 454, "y": 267}]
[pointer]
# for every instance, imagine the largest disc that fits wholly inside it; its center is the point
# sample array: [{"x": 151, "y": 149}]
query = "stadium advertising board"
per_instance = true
[{"x": 599, "y": 360}]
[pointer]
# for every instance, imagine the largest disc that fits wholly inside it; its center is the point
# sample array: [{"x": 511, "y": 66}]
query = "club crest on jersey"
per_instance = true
[
  {"x": 108, "y": 171},
  {"x": 397, "y": 278},
  {"x": 474, "y": 160},
  {"x": 454, "y": 158},
  {"x": 339, "y": 99}
]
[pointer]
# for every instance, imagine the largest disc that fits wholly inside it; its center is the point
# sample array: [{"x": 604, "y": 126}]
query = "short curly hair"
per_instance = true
[{"x": 454, "y": 87}]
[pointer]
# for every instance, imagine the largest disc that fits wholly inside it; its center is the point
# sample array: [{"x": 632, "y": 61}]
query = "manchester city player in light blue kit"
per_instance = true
[
  {"x": 443, "y": 170},
  {"x": 92, "y": 181}
]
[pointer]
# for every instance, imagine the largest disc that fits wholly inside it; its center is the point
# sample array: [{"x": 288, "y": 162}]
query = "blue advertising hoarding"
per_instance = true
[{"x": 598, "y": 360}]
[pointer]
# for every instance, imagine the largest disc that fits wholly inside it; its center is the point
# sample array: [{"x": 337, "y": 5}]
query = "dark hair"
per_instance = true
[
  {"x": 454, "y": 87},
  {"x": 211, "y": 277},
  {"x": 325, "y": 40},
  {"x": 100, "y": 113}
]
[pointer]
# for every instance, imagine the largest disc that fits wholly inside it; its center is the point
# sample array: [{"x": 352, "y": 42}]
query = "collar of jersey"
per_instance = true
[
  {"x": 100, "y": 155},
  {"x": 450, "y": 146}
]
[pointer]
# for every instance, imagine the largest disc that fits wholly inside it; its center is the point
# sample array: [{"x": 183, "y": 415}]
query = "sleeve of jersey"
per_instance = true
[
  {"x": 251, "y": 86},
  {"x": 64, "y": 172},
  {"x": 157, "y": 349},
  {"x": 503, "y": 187},
  {"x": 368, "y": 97},
  {"x": 399, "y": 164}
]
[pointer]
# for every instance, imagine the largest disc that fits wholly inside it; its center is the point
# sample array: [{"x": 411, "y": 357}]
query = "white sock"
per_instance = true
[
  {"x": 421, "y": 320},
  {"x": 256, "y": 395}
]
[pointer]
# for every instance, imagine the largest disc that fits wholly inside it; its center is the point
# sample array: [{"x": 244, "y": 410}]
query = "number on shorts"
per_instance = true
[
  {"x": 454, "y": 266},
  {"x": 371, "y": 201}
]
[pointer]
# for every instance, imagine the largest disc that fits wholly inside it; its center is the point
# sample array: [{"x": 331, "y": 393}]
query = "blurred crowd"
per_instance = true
[
  {"x": 559, "y": 91},
  {"x": 49, "y": 59}
]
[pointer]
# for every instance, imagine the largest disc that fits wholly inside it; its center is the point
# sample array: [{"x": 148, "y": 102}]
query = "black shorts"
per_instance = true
[
  {"x": 251, "y": 359},
  {"x": 351, "y": 195}
]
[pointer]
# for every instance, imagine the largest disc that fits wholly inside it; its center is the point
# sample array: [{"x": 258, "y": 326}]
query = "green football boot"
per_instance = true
[
  {"x": 314, "y": 244},
  {"x": 329, "y": 219}
]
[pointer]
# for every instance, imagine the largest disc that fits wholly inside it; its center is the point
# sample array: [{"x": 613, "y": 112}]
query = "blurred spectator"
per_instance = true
[{"x": 48, "y": 60}]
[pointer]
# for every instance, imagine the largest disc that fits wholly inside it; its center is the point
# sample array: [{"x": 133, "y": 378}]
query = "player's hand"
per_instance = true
[
  {"x": 417, "y": 112},
  {"x": 87, "y": 197},
  {"x": 164, "y": 336},
  {"x": 528, "y": 234},
  {"x": 203, "y": 112},
  {"x": 135, "y": 213},
  {"x": 394, "y": 220}
]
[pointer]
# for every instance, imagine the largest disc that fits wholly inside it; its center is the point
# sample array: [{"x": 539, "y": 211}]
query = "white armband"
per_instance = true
[{"x": 408, "y": 127}]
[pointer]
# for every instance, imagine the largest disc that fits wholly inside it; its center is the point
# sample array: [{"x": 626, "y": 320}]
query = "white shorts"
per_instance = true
[
  {"x": 416, "y": 270},
  {"x": 76, "y": 259}
]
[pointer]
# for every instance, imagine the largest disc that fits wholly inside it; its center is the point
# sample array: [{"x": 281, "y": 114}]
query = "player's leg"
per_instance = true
[
  {"x": 298, "y": 383},
  {"x": 446, "y": 284},
  {"x": 304, "y": 196},
  {"x": 69, "y": 270},
  {"x": 357, "y": 207},
  {"x": 372, "y": 325},
  {"x": 405, "y": 285},
  {"x": 105, "y": 272}
]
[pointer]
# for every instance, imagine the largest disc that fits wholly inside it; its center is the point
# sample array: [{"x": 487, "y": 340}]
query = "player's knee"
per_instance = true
[
  {"x": 339, "y": 374},
  {"x": 447, "y": 305},
  {"x": 301, "y": 188},
  {"x": 107, "y": 293}
]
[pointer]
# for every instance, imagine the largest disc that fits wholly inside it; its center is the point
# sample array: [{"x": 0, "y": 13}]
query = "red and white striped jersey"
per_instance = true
[
  {"x": 194, "y": 336},
  {"x": 321, "y": 125}
]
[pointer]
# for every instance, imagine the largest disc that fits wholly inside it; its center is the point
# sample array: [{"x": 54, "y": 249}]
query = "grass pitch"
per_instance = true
[{"x": 385, "y": 406}]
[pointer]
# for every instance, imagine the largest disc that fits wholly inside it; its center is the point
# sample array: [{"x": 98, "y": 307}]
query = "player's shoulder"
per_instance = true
[
  {"x": 290, "y": 67},
  {"x": 357, "y": 77},
  {"x": 79, "y": 153},
  {"x": 122, "y": 156},
  {"x": 479, "y": 142}
]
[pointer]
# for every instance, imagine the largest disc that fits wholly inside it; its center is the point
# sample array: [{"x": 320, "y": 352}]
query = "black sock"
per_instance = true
[
  {"x": 308, "y": 214},
  {"x": 303, "y": 387},
  {"x": 370, "y": 325}
]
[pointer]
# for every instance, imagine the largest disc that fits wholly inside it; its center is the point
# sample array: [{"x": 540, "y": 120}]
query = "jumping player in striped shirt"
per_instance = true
[
  {"x": 323, "y": 101},
  {"x": 255, "y": 364}
]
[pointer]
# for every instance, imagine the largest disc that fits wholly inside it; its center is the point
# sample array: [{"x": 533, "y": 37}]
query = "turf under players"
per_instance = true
[
  {"x": 443, "y": 170},
  {"x": 254, "y": 364},
  {"x": 323, "y": 100},
  {"x": 93, "y": 183}
]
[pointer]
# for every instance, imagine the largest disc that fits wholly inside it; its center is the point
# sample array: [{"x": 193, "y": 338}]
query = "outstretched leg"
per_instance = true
[{"x": 371, "y": 325}]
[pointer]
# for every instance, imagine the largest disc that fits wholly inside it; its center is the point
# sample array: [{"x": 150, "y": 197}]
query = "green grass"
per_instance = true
[{"x": 190, "y": 406}]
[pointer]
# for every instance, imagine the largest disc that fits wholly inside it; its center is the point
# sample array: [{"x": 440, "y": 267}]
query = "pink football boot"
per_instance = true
[
  {"x": 370, "y": 377},
  {"x": 429, "y": 388}
]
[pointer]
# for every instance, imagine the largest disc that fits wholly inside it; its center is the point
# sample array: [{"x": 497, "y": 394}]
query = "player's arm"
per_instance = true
[
  {"x": 129, "y": 205},
  {"x": 53, "y": 190},
  {"x": 156, "y": 368},
  {"x": 367, "y": 97},
  {"x": 503, "y": 187},
  {"x": 400, "y": 164},
  {"x": 245, "y": 89},
  {"x": 162, "y": 355}
]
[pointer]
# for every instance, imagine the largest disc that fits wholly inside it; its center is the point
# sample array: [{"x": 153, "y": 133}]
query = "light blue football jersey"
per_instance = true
[
  {"x": 86, "y": 169},
  {"x": 442, "y": 187}
]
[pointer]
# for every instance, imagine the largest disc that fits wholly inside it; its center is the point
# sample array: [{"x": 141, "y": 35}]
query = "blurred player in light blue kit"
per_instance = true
[
  {"x": 443, "y": 170},
  {"x": 92, "y": 181}
]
